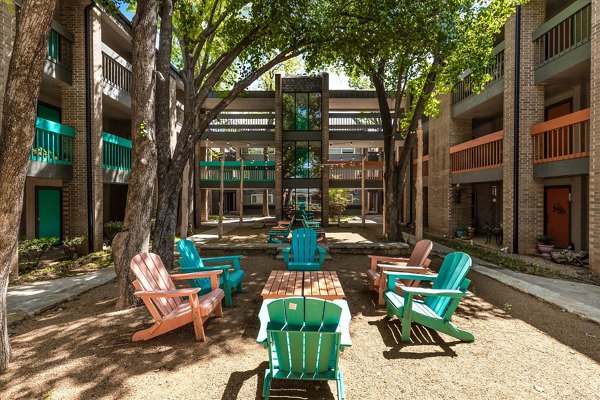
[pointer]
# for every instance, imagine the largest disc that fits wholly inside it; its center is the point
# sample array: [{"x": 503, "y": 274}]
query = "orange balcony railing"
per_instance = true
[
  {"x": 477, "y": 154},
  {"x": 425, "y": 167},
  {"x": 562, "y": 138},
  {"x": 352, "y": 170}
]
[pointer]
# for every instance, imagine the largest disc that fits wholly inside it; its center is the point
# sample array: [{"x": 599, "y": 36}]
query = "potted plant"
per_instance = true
[
  {"x": 544, "y": 245},
  {"x": 461, "y": 232}
]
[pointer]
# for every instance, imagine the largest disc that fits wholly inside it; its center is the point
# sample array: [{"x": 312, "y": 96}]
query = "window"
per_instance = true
[
  {"x": 302, "y": 159},
  {"x": 257, "y": 150},
  {"x": 258, "y": 198},
  {"x": 301, "y": 111}
]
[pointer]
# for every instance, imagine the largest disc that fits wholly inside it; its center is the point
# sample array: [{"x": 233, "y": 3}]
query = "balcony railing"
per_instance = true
[
  {"x": 60, "y": 48},
  {"x": 425, "y": 167},
  {"x": 482, "y": 153},
  {"x": 254, "y": 171},
  {"x": 567, "y": 30},
  {"x": 352, "y": 170},
  {"x": 562, "y": 138},
  {"x": 355, "y": 122},
  {"x": 53, "y": 142},
  {"x": 115, "y": 70},
  {"x": 116, "y": 152},
  {"x": 465, "y": 88},
  {"x": 243, "y": 123}
]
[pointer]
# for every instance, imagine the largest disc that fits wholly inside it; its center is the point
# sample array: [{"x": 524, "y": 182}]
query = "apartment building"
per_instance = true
[
  {"x": 521, "y": 155},
  {"x": 81, "y": 156}
]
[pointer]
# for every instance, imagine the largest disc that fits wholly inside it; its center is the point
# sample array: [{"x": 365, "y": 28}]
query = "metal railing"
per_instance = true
[
  {"x": 481, "y": 153},
  {"x": 355, "y": 122},
  {"x": 562, "y": 138},
  {"x": 465, "y": 88},
  {"x": 53, "y": 142},
  {"x": 243, "y": 122},
  {"x": 115, "y": 70},
  {"x": 352, "y": 170},
  {"x": 254, "y": 171},
  {"x": 116, "y": 152},
  {"x": 569, "y": 29},
  {"x": 59, "y": 49}
]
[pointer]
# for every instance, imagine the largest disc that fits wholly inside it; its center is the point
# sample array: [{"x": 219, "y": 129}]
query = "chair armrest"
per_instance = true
[
  {"x": 393, "y": 276},
  {"x": 376, "y": 259},
  {"x": 157, "y": 294},
  {"x": 403, "y": 268},
  {"x": 213, "y": 275},
  {"x": 433, "y": 292},
  {"x": 322, "y": 253},
  {"x": 224, "y": 259}
]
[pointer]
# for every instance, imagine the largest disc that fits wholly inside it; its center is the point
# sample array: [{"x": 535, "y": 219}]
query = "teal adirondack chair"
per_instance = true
[
  {"x": 449, "y": 287},
  {"x": 304, "y": 254},
  {"x": 190, "y": 261},
  {"x": 279, "y": 236},
  {"x": 304, "y": 337}
]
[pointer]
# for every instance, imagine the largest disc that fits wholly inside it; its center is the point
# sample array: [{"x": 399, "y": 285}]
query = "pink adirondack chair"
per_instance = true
[
  {"x": 165, "y": 302},
  {"x": 418, "y": 263}
]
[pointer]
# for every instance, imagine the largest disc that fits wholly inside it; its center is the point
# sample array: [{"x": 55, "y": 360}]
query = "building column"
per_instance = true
[
  {"x": 530, "y": 196},
  {"x": 75, "y": 196},
  {"x": 265, "y": 202},
  {"x": 201, "y": 209},
  {"x": 594, "y": 174},
  {"x": 278, "y": 195},
  {"x": 325, "y": 149}
]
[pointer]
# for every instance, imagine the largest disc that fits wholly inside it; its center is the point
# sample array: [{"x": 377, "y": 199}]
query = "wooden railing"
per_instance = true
[
  {"x": 352, "y": 170},
  {"x": 355, "y": 122},
  {"x": 425, "y": 167},
  {"x": 254, "y": 171},
  {"x": 53, "y": 142},
  {"x": 59, "y": 49},
  {"x": 115, "y": 70},
  {"x": 116, "y": 152},
  {"x": 477, "y": 154},
  {"x": 567, "y": 30},
  {"x": 562, "y": 138},
  {"x": 465, "y": 88},
  {"x": 243, "y": 122}
]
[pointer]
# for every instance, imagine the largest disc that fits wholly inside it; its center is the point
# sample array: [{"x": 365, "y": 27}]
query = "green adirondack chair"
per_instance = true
[
  {"x": 449, "y": 287},
  {"x": 279, "y": 236},
  {"x": 304, "y": 337},
  {"x": 304, "y": 254},
  {"x": 190, "y": 261}
]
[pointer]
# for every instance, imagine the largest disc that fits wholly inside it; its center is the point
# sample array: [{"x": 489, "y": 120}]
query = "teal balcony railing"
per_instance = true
[
  {"x": 465, "y": 88},
  {"x": 53, "y": 142},
  {"x": 254, "y": 171},
  {"x": 116, "y": 152},
  {"x": 59, "y": 49}
]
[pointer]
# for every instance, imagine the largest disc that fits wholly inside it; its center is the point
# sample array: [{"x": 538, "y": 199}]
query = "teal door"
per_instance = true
[{"x": 48, "y": 212}]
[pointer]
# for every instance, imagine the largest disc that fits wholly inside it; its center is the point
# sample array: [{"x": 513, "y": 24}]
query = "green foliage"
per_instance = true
[
  {"x": 72, "y": 245},
  {"x": 143, "y": 130},
  {"x": 110, "y": 229},
  {"x": 543, "y": 239},
  {"x": 338, "y": 201},
  {"x": 31, "y": 250}
]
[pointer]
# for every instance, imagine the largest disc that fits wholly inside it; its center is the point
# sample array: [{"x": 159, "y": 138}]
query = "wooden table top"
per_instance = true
[{"x": 320, "y": 284}]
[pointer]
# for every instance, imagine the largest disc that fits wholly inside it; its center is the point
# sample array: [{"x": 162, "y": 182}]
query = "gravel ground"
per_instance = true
[
  {"x": 334, "y": 235},
  {"x": 524, "y": 348}
]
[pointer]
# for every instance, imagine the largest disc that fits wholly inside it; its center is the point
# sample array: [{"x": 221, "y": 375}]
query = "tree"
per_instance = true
[
  {"x": 338, "y": 200},
  {"x": 18, "y": 129},
  {"x": 410, "y": 52},
  {"x": 135, "y": 236},
  {"x": 224, "y": 44}
]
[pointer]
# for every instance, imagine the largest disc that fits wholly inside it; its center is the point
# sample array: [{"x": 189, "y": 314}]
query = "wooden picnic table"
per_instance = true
[{"x": 320, "y": 284}]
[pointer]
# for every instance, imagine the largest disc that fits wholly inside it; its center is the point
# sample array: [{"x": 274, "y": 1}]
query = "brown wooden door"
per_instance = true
[{"x": 558, "y": 215}]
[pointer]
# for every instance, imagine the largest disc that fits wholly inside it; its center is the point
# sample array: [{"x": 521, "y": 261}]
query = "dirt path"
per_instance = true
[{"x": 524, "y": 349}]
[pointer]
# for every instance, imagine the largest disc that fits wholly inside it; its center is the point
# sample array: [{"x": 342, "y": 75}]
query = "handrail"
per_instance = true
[
  {"x": 562, "y": 138},
  {"x": 248, "y": 163},
  {"x": 254, "y": 171},
  {"x": 352, "y": 170},
  {"x": 53, "y": 142},
  {"x": 492, "y": 137},
  {"x": 116, "y": 152},
  {"x": 464, "y": 88},
  {"x": 115, "y": 70},
  {"x": 560, "y": 17},
  {"x": 481, "y": 153}
]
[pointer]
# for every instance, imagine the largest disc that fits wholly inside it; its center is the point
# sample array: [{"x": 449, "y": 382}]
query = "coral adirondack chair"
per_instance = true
[
  {"x": 279, "y": 235},
  {"x": 191, "y": 262},
  {"x": 435, "y": 312},
  {"x": 304, "y": 337},
  {"x": 418, "y": 263},
  {"x": 166, "y": 303},
  {"x": 304, "y": 254}
]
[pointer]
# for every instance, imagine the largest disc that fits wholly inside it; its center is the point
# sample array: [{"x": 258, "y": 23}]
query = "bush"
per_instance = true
[
  {"x": 31, "y": 250},
  {"x": 71, "y": 246},
  {"x": 110, "y": 229}
]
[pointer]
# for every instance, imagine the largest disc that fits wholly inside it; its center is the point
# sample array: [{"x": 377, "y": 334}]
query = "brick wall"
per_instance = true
[
  {"x": 531, "y": 102},
  {"x": 594, "y": 178},
  {"x": 278, "y": 195}
]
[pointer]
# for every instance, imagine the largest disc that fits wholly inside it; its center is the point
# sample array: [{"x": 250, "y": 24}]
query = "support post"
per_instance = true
[
  {"x": 241, "y": 201},
  {"x": 419, "y": 184},
  {"x": 362, "y": 191},
  {"x": 221, "y": 196}
]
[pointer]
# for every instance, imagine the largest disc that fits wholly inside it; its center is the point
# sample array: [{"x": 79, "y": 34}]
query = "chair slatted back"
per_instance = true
[
  {"x": 151, "y": 276},
  {"x": 189, "y": 255},
  {"x": 420, "y": 253},
  {"x": 304, "y": 245},
  {"x": 303, "y": 333},
  {"x": 452, "y": 274}
]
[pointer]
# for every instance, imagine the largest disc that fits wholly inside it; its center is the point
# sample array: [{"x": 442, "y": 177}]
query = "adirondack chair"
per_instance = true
[
  {"x": 231, "y": 278},
  {"x": 417, "y": 263},
  {"x": 279, "y": 236},
  {"x": 435, "y": 312},
  {"x": 304, "y": 254},
  {"x": 304, "y": 337},
  {"x": 166, "y": 303}
]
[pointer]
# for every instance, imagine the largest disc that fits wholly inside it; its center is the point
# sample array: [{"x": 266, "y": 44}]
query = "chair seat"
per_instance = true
[
  {"x": 374, "y": 275},
  {"x": 418, "y": 307},
  {"x": 304, "y": 266}
]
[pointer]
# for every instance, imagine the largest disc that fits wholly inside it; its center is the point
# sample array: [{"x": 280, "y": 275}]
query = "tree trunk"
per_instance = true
[
  {"x": 136, "y": 228},
  {"x": 166, "y": 216},
  {"x": 18, "y": 129}
]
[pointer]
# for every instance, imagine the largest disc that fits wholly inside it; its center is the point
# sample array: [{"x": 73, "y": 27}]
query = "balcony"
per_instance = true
[
  {"x": 466, "y": 100},
  {"x": 59, "y": 57},
  {"x": 348, "y": 174},
  {"x": 355, "y": 126},
  {"x": 52, "y": 151},
  {"x": 250, "y": 126},
  {"x": 116, "y": 158},
  {"x": 569, "y": 32},
  {"x": 478, "y": 160},
  {"x": 561, "y": 145},
  {"x": 116, "y": 75},
  {"x": 256, "y": 174}
]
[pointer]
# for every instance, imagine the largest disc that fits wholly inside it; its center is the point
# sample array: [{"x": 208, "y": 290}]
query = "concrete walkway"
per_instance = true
[
  {"x": 27, "y": 300},
  {"x": 578, "y": 298}
]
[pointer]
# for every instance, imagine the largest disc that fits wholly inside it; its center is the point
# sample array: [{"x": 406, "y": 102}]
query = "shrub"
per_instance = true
[
  {"x": 110, "y": 229},
  {"x": 31, "y": 250},
  {"x": 71, "y": 246}
]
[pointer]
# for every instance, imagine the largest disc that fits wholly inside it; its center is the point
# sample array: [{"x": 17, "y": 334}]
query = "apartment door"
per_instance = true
[
  {"x": 229, "y": 203},
  {"x": 558, "y": 215},
  {"x": 48, "y": 210}
]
